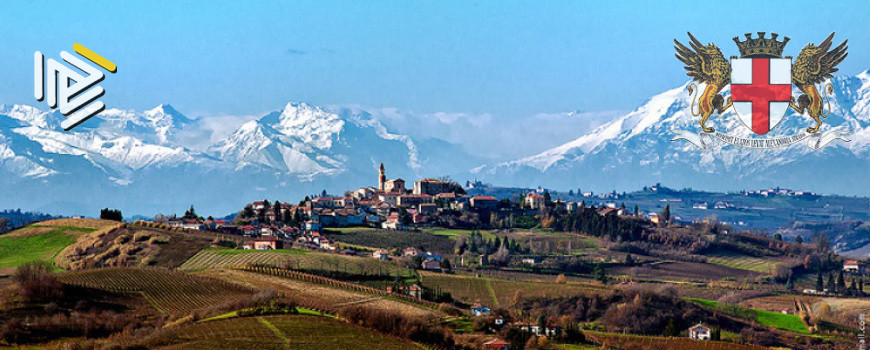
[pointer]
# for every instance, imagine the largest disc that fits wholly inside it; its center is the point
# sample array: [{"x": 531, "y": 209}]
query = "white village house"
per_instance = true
[{"x": 699, "y": 332}]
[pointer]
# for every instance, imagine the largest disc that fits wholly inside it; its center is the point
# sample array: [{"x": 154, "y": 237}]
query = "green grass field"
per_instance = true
[
  {"x": 36, "y": 243},
  {"x": 43, "y": 241},
  {"x": 766, "y": 318},
  {"x": 15, "y": 251}
]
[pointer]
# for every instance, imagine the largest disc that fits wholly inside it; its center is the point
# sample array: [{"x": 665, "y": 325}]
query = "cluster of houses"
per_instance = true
[
  {"x": 696, "y": 332},
  {"x": 770, "y": 192},
  {"x": 722, "y": 205},
  {"x": 428, "y": 260},
  {"x": 390, "y": 205}
]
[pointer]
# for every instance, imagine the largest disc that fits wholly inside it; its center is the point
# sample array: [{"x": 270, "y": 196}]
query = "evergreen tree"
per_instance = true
[
  {"x": 276, "y": 211},
  {"x": 111, "y": 214},
  {"x": 672, "y": 329},
  {"x": 297, "y": 217},
  {"x": 777, "y": 237},
  {"x": 445, "y": 264},
  {"x": 841, "y": 281},
  {"x": 636, "y": 210},
  {"x": 819, "y": 284},
  {"x": 404, "y": 216},
  {"x": 666, "y": 214},
  {"x": 716, "y": 333},
  {"x": 190, "y": 214},
  {"x": 247, "y": 212},
  {"x": 599, "y": 273},
  {"x": 799, "y": 239}
]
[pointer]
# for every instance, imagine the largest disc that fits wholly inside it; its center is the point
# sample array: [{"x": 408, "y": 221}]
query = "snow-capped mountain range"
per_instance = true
[
  {"x": 146, "y": 162},
  {"x": 635, "y": 150},
  {"x": 142, "y": 161}
]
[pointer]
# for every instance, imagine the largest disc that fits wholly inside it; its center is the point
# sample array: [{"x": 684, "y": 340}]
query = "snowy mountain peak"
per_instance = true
[
  {"x": 166, "y": 114},
  {"x": 308, "y": 140},
  {"x": 31, "y": 115},
  {"x": 635, "y": 149}
]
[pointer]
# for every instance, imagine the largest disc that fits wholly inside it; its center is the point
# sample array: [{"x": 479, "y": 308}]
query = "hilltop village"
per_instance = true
[{"x": 391, "y": 205}]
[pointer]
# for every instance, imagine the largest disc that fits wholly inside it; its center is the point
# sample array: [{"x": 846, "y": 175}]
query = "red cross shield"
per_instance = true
[{"x": 761, "y": 90}]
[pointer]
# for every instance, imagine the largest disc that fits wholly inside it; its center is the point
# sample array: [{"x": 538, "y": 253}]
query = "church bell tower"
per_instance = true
[{"x": 382, "y": 178}]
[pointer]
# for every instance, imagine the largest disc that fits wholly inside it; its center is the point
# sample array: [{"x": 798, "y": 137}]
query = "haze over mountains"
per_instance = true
[{"x": 160, "y": 160}]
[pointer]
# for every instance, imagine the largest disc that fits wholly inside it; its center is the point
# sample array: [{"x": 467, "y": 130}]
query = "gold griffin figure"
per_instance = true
[
  {"x": 707, "y": 65},
  {"x": 813, "y": 65}
]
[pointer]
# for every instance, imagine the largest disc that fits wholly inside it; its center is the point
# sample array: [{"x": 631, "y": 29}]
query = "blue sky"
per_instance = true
[{"x": 505, "y": 59}]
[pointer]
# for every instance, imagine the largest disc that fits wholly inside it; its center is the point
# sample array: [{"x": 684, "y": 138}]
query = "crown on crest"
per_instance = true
[{"x": 761, "y": 47}]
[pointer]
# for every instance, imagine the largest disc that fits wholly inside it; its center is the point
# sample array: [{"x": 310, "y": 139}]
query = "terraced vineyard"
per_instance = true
[
  {"x": 499, "y": 292},
  {"x": 743, "y": 262},
  {"x": 303, "y": 260},
  {"x": 311, "y": 295},
  {"x": 169, "y": 292},
  {"x": 298, "y": 332}
]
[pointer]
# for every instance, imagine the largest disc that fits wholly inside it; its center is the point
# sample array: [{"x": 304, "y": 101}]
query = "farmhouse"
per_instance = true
[
  {"x": 381, "y": 254},
  {"x": 479, "y": 310},
  {"x": 699, "y": 332},
  {"x": 531, "y": 261},
  {"x": 431, "y": 264},
  {"x": 415, "y": 291},
  {"x": 412, "y": 251},
  {"x": 536, "y": 329},
  {"x": 534, "y": 201},
  {"x": 853, "y": 266},
  {"x": 264, "y": 243}
]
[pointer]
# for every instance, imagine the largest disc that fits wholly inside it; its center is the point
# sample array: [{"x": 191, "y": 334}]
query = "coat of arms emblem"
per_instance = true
[{"x": 761, "y": 88}]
